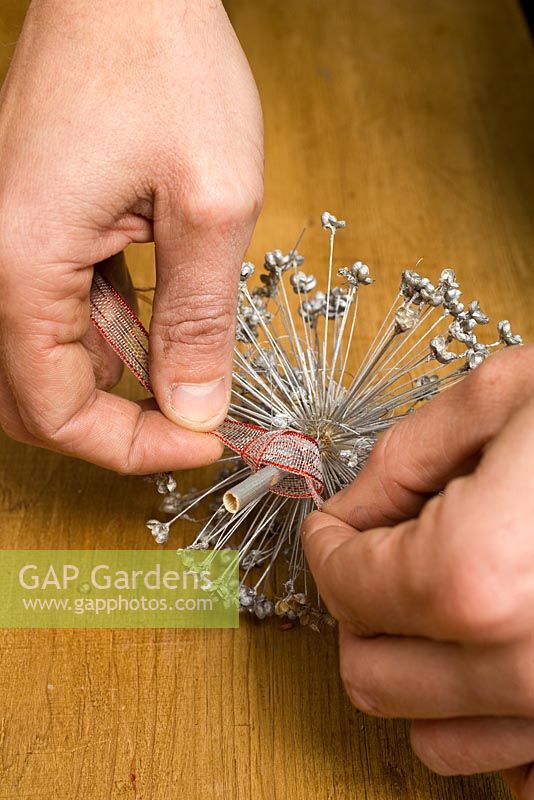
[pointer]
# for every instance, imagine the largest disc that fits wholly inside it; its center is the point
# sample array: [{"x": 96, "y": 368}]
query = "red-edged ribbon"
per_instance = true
[{"x": 291, "y": 451}]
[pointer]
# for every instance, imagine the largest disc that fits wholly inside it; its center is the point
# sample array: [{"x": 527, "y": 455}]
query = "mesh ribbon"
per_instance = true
[
  {"x": 291, "y": 451},
  {"x": 121, "y": 328}
]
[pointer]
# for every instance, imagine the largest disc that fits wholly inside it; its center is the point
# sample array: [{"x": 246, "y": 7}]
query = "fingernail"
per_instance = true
[{"x": 199, "y": 403}]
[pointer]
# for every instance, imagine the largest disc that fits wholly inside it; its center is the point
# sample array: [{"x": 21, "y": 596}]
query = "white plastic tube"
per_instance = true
[{"x": 252, "y": 488}]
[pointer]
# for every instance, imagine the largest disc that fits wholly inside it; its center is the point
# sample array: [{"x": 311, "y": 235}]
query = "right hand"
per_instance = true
[{"x": 434, "y": 592}]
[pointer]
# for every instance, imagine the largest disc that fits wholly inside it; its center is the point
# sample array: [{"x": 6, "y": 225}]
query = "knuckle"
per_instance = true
[
  {"x": 54, "y": 428},
  {"x": 40, "y": 427},
  {"x": 59, "y": 427},
  {"x": 405, "y": 475},
  {"x": 427, "y": 744},
  {"x": 395, "y": 481},
  {"x": 505, "y": 375},
  {"x": 520, "y": 682},
  {"x": 215, "y": 207},
  {"x": 201, "y": 322},
  {"x": 135, "y": 457},
  {"x": 360, "y": 688},
  {"x": 469, "y": 602},
  {"x": 466, "y": 591},
  {"x": 383, "y": 447}
]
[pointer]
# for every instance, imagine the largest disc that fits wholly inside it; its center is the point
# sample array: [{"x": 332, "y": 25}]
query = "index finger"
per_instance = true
[
  {"x": 365, "y": 577},
  {"x": 459, "y": 572},
  {"x": 52, "y": 380},
  {"x": 417, "y": 457}
]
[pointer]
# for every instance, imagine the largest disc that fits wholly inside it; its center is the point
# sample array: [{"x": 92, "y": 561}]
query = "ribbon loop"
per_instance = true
[{"x": 291, "y": 451}]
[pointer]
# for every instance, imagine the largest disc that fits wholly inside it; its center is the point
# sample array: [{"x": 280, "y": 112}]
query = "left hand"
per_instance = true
[
  {"x": 434, "y": 593},
  {"x": 120, "y": 122}
]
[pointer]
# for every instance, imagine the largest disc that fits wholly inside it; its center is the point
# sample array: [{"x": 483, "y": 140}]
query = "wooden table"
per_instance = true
[{"x": 414, "y": 121}]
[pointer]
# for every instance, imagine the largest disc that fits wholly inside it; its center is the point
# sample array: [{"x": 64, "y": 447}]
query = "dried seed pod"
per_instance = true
[
  {"x": 247, "y": 270},
  {"x": 405, "y": 319},
  {"x": 281, "y": 608},
  {"x": 506, "y": 335},
  {"x": 160, "y": 530},
  {"x": 439, "y": 351},
  {"x": 476, "y": 355},
  {"x": 302, "y": 283},
  {"x": 332, "y": 223}
]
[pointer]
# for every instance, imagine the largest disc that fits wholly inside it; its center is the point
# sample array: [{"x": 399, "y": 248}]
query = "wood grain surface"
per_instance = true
[{"x": 413, "y": 120}]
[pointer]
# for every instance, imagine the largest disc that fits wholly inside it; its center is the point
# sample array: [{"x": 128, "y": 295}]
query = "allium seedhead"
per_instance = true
[{"x": 300, "y": 421}]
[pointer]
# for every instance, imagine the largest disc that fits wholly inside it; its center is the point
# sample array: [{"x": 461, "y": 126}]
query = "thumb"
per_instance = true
[{"x": 192, "y": 331}]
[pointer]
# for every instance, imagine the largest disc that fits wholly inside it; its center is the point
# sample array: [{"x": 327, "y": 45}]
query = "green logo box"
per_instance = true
[{"x": 119, "y": 589}]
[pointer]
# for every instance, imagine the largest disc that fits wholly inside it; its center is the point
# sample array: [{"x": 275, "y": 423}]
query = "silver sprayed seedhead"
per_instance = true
[{"x": 297, "y": 369}]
